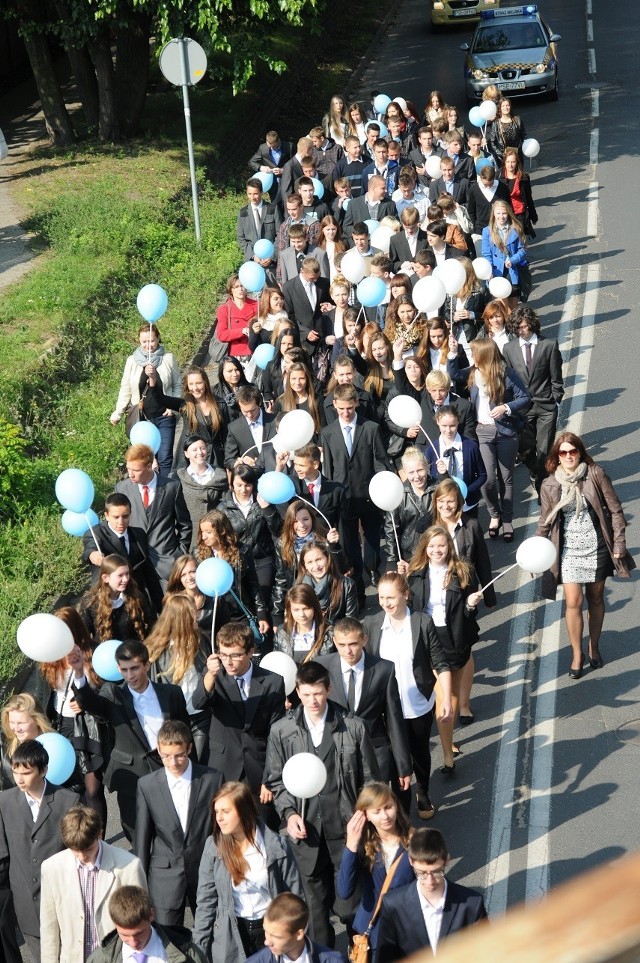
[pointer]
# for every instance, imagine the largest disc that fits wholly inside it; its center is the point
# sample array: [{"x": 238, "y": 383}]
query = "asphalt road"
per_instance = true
[{"x": 548, "y": 783}]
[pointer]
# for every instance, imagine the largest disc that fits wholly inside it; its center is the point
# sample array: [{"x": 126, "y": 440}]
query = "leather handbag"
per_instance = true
[
  {"x": 360, "y": 950},
  {"x": 135, "y": 413}
]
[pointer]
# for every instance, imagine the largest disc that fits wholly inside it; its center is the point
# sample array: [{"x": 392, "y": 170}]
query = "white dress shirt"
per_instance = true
[
  {"x": 244, "y": 681},
  {"x": 34, "y": 804},
  {"x": 180, "y": 789},
  {"x": 501, "y": 338},
  {"x": 148, "y": 712},
  {"x": 533, "y": 340},
  {"x": 245, "y": 507},
  {"x": 251, "y": 896},
  {"x": 303, "y": 641},
  {"x": 316, "y": 729},
  {"x": 457, "y": 444},
  {"x": 396, "y": 645},
  {"x": 152, "y": 485},
  {"x": 432, "y": 916},
  {"x": 154, "y": 950},
  {"x": 256, "y": 428},
  {"x": 435, "y": 607},
  {"x": 358, "y": 670},
  {"x": 125, "y": 536}
]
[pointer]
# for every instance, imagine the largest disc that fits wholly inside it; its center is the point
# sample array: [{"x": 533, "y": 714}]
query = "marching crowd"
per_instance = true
[{"x": 196, "y": 738}]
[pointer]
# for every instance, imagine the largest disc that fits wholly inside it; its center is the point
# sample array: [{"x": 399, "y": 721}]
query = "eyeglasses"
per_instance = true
[
  {"x": 430, "y": 873},
  {"x": 565, "y": 452},
  {"x": 231, "y": 656}
]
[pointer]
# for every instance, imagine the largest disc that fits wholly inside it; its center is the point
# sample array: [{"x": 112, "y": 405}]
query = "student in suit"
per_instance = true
[
  {"x": 256, "y": 220},
  {"x": 136, "y": 710},
  {"x": 158, "y": 508},
  {"x": 344, "y": 373},
  {"x": 482, "y": 194},
  {"x": 365, "y": 686},
  {"x": 245, "y": 702},
  {"x": 304, "y": 296},
  {"x": 115, "y": 536},
  {"x": 292, "y": 170},
  {"x": 459, "y": 457},
  {"x": 407, "y": 922},
  {"x": 421, "y": 154},
  {"x": 249, "y": 432},
  {"x": 66, "y": 902},
  {"x": 404, "y": 245},
  {"x": 538, "y": 362},
  {"x": 352, "y": 454},
  {"x": 173, "y": 821},
  {"x": 291, "y": 258},
  {"x": 436, "y": 239},
  {"x": 30, "y": 817},
  {"x": 381, "y": 167},
  {"x": 343, "y": 744},
  {"x": 311, "y": 485},
  {"x": 285, "y": 935},
  {"x": 449, "y": 182},
  {"x": 271, "y": 157},
  {"x": 372, "y": 205}
]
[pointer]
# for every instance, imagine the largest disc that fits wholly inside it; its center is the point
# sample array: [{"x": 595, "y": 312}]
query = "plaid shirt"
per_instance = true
[{"x": 87, "y": 876}]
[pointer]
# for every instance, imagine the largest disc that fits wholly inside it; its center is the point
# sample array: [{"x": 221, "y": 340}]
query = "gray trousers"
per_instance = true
[{"x": 499, "y": 457}]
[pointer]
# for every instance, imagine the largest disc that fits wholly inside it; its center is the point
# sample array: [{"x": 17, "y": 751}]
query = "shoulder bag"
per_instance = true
[{"x": 360, "y": 951}]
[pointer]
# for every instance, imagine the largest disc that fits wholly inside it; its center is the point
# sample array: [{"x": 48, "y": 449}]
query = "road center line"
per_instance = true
[
  {"x": 594, "y": 144},
  {"x": 592, "y": 210}
]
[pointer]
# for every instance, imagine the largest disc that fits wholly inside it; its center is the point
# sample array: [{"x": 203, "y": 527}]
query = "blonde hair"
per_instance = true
[
  {"x": 456, "y": 567},
  {"x": 22, "y": 702}
]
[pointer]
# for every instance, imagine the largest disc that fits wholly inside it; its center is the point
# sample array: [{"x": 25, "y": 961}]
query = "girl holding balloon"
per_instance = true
[
  {"x": 304, "y": 633},
  {"x": 336, "y": 593},
  {"x": 235, "y": 317},
  {"x": 115, "y": 608},
  {"x": 299, "y": 394},
  {"x": 466, "y": 306},
  {"x": 182, "y": 581},
  {"x": 504, "y": 246},
  {"x": 151, "y": 374}
]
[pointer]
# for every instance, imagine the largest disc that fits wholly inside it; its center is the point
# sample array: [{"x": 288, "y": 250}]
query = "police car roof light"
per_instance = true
[{"x": 529, "y": 11}]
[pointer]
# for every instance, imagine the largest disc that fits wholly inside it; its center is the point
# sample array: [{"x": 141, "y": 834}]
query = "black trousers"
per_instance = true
[
  {"x": 9, "y": 952},
  {"x": 418, "y": 735},
  {"x": 537, "y": 438},
  {"x": 318, "y": 881},
  {"x": 361, "y": 512}
]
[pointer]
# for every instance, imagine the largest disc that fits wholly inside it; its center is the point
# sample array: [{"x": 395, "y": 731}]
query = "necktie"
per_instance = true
[
  {"x": 145, "y": 496},
  {"x": 450, "y": 453},
  {"x": 311, "y": 294},
  {"x": 351, "y": 691},
  {"x": 243, "y": 694},
  {"x": 527, "y": 355},
  {"x": 311, "y": 491},
  {"x": 140, "y": 957},
  {"x": 122, "y": 538},
  {"x": 256, "y": 217},
  {"x": 300, "y": 256},
  {"x": 348, "y": 440}
]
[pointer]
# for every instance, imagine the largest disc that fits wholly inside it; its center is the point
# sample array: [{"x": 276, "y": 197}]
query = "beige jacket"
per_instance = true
[{"x": 169, "y": 375}]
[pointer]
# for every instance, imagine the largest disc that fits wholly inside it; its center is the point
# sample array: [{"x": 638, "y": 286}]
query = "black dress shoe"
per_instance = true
[
  {"x": 466, "y": 720},
  {"x": 426, "y": 809},
  {"x": 577, "y": 673},
  {"x": 596, "y": 663}
]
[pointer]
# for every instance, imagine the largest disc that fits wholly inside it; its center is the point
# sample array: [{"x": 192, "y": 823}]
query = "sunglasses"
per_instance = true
[{"x": 565, "y": 452}]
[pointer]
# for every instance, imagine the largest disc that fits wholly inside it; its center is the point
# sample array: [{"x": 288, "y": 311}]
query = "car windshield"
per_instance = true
[{"x": 517, "y": 36}]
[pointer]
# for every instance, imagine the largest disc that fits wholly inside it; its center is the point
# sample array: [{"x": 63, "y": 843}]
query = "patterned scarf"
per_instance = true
[{"x": 570, "y": 493}]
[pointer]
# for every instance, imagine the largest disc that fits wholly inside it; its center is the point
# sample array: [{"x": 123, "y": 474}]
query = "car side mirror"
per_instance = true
[
  {"x": 465, "y": 46},
  {"x": 554, "y": 38}
]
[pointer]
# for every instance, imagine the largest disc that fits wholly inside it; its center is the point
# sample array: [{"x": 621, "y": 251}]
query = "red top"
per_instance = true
[
  {"x": 517, "y": 202},
  {"x": 231, "y": 322}
]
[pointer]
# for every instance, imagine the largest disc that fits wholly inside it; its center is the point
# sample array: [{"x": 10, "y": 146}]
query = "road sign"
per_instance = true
[{"x": 171, "y": 61}]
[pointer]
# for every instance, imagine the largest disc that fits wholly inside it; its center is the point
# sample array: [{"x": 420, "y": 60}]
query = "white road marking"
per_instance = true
[
  {"x": 595, "y": 103},
  {"x": 591, "y": 55},
  {"x": 594, "y": 144},
  {"x": 590, "y": 31},
  {"x": 592, "y": 210}
]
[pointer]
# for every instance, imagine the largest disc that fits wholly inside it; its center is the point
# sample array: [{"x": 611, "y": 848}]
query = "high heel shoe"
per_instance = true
[
  {"x": 494, "y": 529},
  {"x": 448, "y": 770},
  {"x": 596, "y": 663},
  {"x": 507, "y": 532},
  {"x": 577, "y": 673}
]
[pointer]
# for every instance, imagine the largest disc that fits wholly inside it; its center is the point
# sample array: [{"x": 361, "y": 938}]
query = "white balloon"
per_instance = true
[
  {"x": 278, "y": 444},
  {"x": 282, "y": 664},
  {"x": 44, "y": 637},
  {"x": 536, "y": 555},
  {"x": 488, "y": 110},
  {"x": 304, "y": 775},
  {"x": 381, "y": 239},
  {"x": 353, "y": 266},
  {"x": 500, "y": 287},
  {"x": 482, "y": 268},
  {"x": 530, "y": 147},
  {"x": 405, "y": 411},
  {"x": 452, "y": 275},
  {"x": 429, "y": 294},
  {"x": 433, "y": 167},
  {"x": 296, "y": 429},
  {"x": 401, "y": 102},
  {"x": 386, "y": 490}
]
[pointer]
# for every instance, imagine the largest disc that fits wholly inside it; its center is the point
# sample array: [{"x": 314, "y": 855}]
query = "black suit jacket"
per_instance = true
[
  {"x": 167, "y": 522},
  {"x": 544, "y": 382},
  {"x": 246, "y": 233},
  {"x": 298, "y": 307},
  {"x": 131, "y": 756},
  {"x": 358, "y": 211},
  {"x": 24, "y": 846},
  {"x": 138, "y": 557},
  {"x": 427, "y": 651},
  {"x": 379, "y": 708},
  {"x": 291, "y": 171},
  {"x": 262, "y": 157},
  {"x": 417, "y": 159},
  {"x": 460, "y": 189},
  {"x": 240, "y": 439},
  {"x": 170, "y": 856},
  {"x": 331, "y": 501},
  {"x": 402, "y": 930},
  {"x": 356, "y": 470},
  {"x": 479, "y": 208},
  {"x": 399, "y": 250},
  {"x": 239, "y": 730}
]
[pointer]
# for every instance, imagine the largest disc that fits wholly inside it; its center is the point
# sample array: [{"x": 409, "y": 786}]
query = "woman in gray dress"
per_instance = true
[{"x": 582, "y": 515}]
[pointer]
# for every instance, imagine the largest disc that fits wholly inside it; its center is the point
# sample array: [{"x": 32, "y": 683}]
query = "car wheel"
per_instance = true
[{"x": 555, "y": 93}]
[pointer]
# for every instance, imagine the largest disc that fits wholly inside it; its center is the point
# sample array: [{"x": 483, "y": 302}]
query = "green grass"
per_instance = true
[{"x": 108, "y": 220}]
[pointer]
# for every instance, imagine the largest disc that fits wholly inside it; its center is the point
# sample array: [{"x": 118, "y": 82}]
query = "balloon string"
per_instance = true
[
  {"x": 360, "y": 313},
  {"x": 395, "y": 532},
  {"x": 268, "y": 442},
  {"x": 311, "y": 505},
  {"x": 515, "y": 565},
  {"x": 435, "y": 451},
  {"x": 213, "y": 622},
  {"x": 150, "y": 336},
  {"x": 98, "y": 549}
]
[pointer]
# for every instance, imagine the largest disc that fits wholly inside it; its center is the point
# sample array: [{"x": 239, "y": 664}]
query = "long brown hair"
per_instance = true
[
  {"x": 446, "y": 487},
  {"x": 304, "y": 595},
  {"x": 99, "y": 598},
  {"x": 335, "y": 578},
  {"x": 553, "y": 459},
  {"x": 489, "y": 363},
  {"x": 375, "y": 794},
  {"x": 456, "y": 567},
  {"x": 229, "y": 850},
  {"x": 174, "y": 582},
  {"x": 288, "y": 400},
  {"x": 339, "y": 243},
  {"x": 176, "y": 627},
  {"x": 190, "y": 408},
  {"x": 424, "y": 348},
  {"x": 227, "y": 539},
  {"x": 54, "y": 672},
  {"x": 287, "y": 539},
  {"x": 375, "y": 382}
]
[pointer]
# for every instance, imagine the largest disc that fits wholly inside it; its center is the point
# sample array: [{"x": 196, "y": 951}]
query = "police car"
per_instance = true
[
  {"x": 513, "y": 48},
  {"x": 445, "y": 12}
]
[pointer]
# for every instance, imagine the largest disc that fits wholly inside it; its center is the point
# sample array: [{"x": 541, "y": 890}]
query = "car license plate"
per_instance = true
[
  {"x": 511, "y": 85},
  {"x": 465, "y": 13}
]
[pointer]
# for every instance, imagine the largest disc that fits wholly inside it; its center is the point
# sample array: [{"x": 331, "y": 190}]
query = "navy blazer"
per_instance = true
[
  {"x": 317, "y": 952},
  {"x": 516, "y": 396},
  {"x": 473, "y": 471},
  {"x": 354, "y": 871}
]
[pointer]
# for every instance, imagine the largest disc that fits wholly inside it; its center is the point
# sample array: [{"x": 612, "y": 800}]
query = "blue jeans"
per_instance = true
[{"x": 166, "y": 425}]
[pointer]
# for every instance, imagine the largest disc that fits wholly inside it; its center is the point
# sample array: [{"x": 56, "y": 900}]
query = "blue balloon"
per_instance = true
[
  {"x": 276, "y": 487},
  {"x": 345, "y": 203},
  {"x": 75, "y": 524},
  {"x": 371, "y": 292},
  {"x": 263, "y": 354},
  {"x": 383, "y": 127},
  {"x": 214, "y": 576},
  {"x": 264, "y": 249},
  {"x": 104, "y": 662},
  {"x": 476, "y": 118},
  {"x": 265, "y": 178},
  {"x": 152, "y": 302},
  {"x": 318, "y": 188},
  {"x": 372, "y": 224},
  {"x": 62, "y": 757},
  {"x": 252, "y": 276},
  {"x": 145, "y": 433},
  {"x": 74, "y": 490},
  {"x": 483, "y": 162},
  {"x": 380, "y": 103},
  {"x": 462, "y": 485}
]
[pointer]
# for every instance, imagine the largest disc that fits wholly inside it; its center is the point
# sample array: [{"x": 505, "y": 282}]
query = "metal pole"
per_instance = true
[{"x": 187, "y": 121}]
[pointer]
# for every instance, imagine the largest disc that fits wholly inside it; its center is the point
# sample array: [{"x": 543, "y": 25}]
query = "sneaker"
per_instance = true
[{"x": 426, "y": 809}]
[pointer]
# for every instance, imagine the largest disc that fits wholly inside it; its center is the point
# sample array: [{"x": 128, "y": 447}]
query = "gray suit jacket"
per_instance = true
[
  {"x": 246, "y": 233},
  {"x": 289, "y": 267},
  {"x": 24, "y": 846},
  {"x": 167, "y": 522}
]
